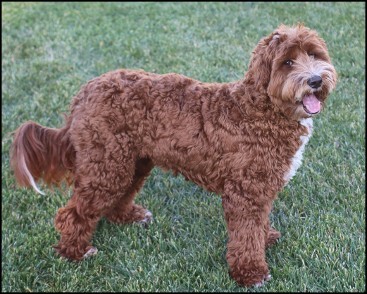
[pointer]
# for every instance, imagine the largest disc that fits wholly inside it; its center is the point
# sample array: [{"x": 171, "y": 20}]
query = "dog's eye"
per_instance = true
[
  {"x": 288, "y": 62},
  {"x": 312, "y": 55}
]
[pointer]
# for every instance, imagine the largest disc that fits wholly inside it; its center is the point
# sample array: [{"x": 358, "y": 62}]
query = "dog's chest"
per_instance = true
[{"x": 297, "y": 158}]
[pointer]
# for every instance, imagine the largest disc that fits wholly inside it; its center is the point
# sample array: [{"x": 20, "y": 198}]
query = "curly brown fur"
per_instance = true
[{"x": 242, "y": 140}]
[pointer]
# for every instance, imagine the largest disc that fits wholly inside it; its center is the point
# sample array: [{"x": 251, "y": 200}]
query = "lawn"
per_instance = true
[{"x": 50, "y": 49}]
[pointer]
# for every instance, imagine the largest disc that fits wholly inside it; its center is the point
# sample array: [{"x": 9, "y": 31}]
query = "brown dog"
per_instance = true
[{"x": 243, "y": 140}]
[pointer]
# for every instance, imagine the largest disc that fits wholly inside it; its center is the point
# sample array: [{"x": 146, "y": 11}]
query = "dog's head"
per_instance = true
[{"x": 293, "y": 67}]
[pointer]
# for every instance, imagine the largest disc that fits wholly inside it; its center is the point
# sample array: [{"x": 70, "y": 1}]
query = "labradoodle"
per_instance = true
[{"x": 242, "y": 140}]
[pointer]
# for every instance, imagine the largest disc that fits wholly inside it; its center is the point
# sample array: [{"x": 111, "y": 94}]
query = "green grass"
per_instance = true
[{"x": 49, "y": 50}]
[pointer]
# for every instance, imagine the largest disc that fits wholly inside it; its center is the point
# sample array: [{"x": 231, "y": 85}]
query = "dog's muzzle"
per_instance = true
[{"x": 315, "y": 82}]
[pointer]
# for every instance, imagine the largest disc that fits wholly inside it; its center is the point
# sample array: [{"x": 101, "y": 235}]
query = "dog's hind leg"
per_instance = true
[
  {"x": 76, "y": 229},
  {"x": 126, "y": 211},
  {"x": 103, "y": 173},
  {"x": 272, "y": 237}
]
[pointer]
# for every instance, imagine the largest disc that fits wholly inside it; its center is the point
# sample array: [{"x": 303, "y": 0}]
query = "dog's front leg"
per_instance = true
[{"x": 247, "y": 223}]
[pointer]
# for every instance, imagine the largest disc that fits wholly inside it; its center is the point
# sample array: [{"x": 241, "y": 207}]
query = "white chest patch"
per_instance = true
[{"x": 297, "y": 158}]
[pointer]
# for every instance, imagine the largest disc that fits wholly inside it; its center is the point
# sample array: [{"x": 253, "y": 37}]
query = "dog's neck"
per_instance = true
[
  {"x": 248, "y": 96},
  {"x": 255, "y": 103}
]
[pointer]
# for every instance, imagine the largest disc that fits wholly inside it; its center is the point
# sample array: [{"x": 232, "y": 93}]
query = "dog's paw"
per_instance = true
[
  {"x": 251, "y": 275},
  {"x": 134, "y": 214},
  {"x": 260, "y": 284},
  {"x": 91, "y": 251},
  {"x": 74, "y": 253},
  {"x": 148, "y": 218}
]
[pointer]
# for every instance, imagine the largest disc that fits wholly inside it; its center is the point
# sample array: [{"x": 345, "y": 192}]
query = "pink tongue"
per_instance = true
[{"x": 311, "y": 103}]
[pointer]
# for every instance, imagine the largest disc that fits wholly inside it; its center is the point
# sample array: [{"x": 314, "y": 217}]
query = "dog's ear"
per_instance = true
[{"x": 261, "y": 61}]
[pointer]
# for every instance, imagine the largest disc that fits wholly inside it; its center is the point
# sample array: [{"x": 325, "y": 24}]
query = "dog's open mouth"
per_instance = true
[{"x": 311, "y": 104}]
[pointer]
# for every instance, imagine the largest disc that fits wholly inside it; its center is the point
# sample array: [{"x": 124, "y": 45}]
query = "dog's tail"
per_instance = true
[{"x": 43, "y": 153}]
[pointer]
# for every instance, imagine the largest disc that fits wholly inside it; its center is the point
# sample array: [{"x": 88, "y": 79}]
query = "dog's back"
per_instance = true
[{"x": 169, "y": 118}]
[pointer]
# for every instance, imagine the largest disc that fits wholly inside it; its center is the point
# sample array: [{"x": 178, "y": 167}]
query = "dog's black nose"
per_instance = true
[{"x": 315, "y": 82}]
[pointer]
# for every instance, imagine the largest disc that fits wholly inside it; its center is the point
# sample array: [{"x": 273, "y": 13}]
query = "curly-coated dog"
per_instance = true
[{"x": 243, "y": 140}]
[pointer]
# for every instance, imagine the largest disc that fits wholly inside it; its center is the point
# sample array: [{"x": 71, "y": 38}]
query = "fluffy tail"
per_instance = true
[{"x": 38, "y": 153}]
